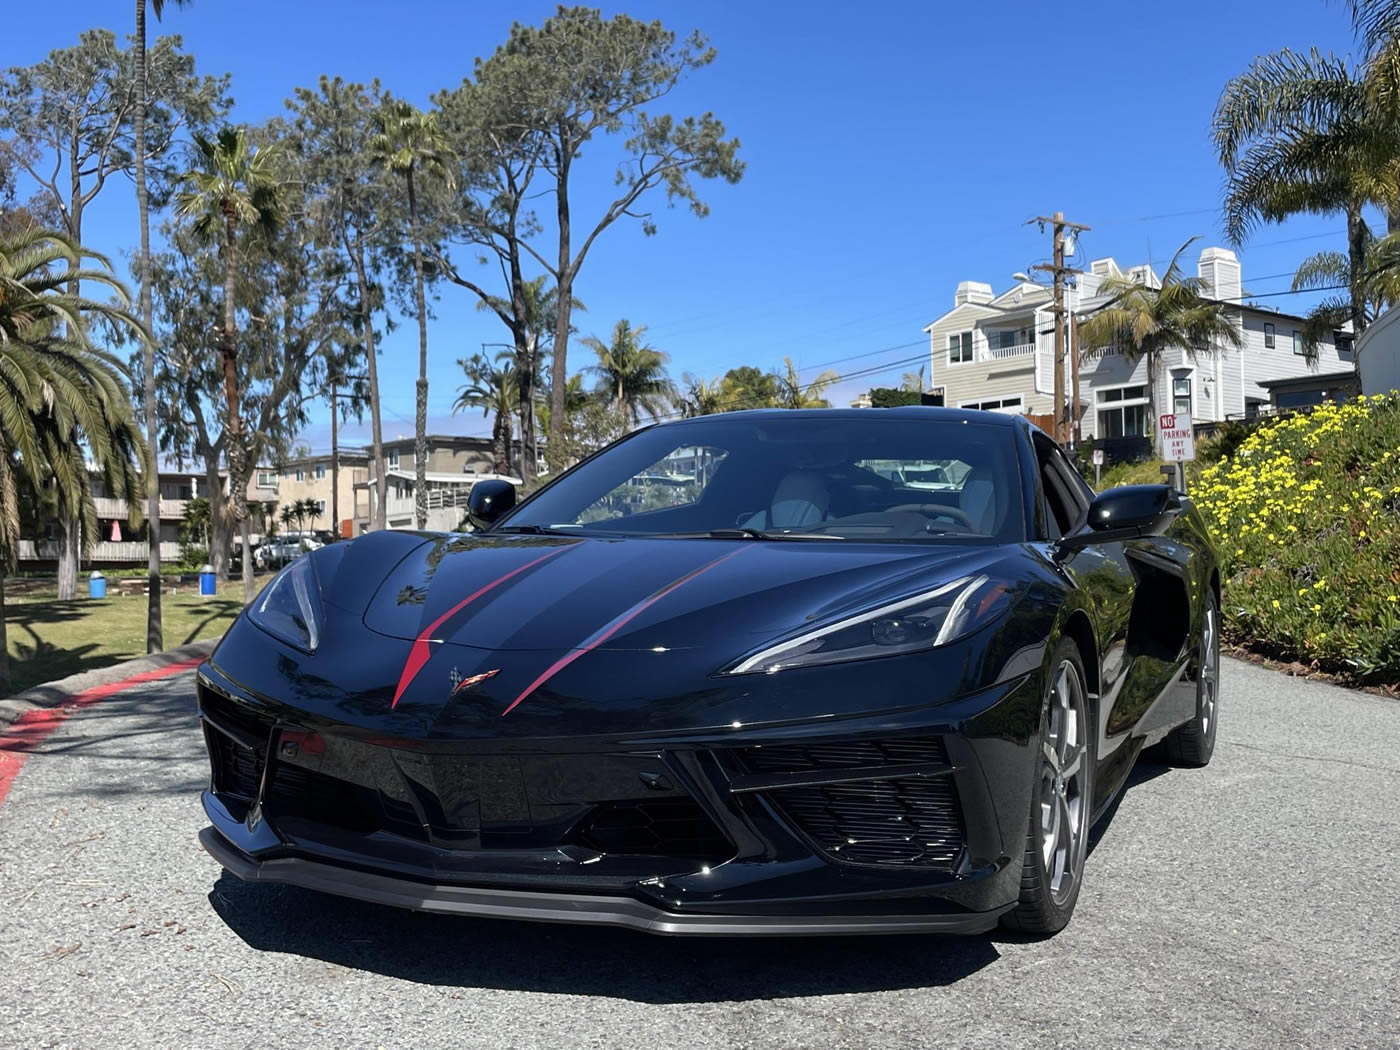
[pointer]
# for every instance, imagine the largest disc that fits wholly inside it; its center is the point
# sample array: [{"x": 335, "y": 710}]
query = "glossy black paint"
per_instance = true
[
  {"x": 558, "y": 694},
  {"x": 489, "y": 500}
]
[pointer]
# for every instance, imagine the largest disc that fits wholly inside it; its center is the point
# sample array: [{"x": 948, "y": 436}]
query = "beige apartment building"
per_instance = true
[{"x": 309, "y": 477}]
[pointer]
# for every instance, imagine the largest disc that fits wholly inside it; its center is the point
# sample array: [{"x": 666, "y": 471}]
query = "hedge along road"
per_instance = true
[{"x": 1255, "y": 903}]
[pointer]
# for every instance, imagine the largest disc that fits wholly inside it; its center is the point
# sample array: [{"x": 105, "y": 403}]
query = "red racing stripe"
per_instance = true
[
  {"x": 421, "y": 651},
  {"x": 609, "y": 629}
]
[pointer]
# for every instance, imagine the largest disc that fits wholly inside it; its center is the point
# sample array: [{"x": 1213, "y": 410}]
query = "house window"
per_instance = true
[
  {"x": 393, "y": 459},
  {"x": 1268, "y": 336},
  {"x": 267, "y": 479},
  {"x": 1122, "y": 411},
  {"x": 1181, "y": 396},
  {"x": 301, "y": 474},
  {"x": 959, "y": 347},
  {"x": 320, "y": 471},
  {"x": 320, "y": 506},
  {"x": 1346, "y": 345},
  {"x": 1011, "y": 405},
  {"x": 1298, "y": 347}
]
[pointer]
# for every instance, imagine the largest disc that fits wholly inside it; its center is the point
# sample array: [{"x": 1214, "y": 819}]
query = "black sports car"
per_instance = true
[{"x": 760, "y": 673}]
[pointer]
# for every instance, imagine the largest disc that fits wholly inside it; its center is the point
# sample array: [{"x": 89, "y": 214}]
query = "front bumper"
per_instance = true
[
  {"x": 574, "y": 908},
  {"x": 511, "y": 827}
]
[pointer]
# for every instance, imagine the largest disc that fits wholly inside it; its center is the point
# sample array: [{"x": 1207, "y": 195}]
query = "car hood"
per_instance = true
[{"x": 560, "y": 593}]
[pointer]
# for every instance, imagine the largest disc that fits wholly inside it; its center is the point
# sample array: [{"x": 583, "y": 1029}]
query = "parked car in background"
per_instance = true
[{"x": 279, "y": 552}]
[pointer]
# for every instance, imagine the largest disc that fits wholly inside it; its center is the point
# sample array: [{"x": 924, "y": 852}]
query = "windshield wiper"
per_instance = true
[
  {"x": 533, "y": 530},
  {"x": 738, "y": 534}
]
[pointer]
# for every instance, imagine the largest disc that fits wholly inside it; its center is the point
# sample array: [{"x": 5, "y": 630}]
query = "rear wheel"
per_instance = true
[
  {"x": 1192, "y": 744},
  {"x": 1058, "y": 834}
]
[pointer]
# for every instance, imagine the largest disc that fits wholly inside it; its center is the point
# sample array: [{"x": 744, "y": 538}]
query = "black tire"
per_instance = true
[
  {"x": 1048, "y": 896},
  {"x": 1192, "y": 743}
]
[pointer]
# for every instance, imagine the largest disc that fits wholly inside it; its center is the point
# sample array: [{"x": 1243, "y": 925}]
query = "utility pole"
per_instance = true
[
  {"x": 335, "y": 464},
  {"x": 1074, "y": 408},
  {"x": 1059, "y": 271}
]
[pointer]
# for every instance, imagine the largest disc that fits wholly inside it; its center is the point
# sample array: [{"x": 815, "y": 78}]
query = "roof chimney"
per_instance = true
[
  {"x": 977, "y": 292},
  {"x": 1219, "y": 272}
]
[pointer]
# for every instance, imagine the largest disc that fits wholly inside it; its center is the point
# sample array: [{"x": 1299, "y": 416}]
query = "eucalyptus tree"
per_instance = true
[
  {"x": 1142, "y": 322},
  {"x": 71, "y": 119},
  {"x": 409, "y": 141},
  {"x": 563, "y": 85},
  {"x": 352, "y": 204},
  {"x": 63, "y": 401},
  {"x": 232, "y": 188}
]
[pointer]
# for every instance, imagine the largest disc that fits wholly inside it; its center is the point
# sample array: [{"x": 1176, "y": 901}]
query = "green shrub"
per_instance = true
[{"x": 1306, "y": 514}]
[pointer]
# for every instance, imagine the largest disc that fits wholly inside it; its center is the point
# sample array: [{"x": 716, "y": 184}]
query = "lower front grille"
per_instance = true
[
  {"x": 673, "y": 827},
  {"x": 229, "y": 726},
  {"x": 903, "y": 819}
]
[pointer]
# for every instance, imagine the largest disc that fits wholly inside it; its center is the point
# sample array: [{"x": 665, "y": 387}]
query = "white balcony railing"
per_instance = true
[
  {"x": 105, "y": 551},
  {"x": 115, "y": 507},
  {"x": 997, "y": 353}
]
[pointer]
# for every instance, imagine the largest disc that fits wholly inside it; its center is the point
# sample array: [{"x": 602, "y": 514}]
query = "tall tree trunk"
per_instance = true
[
  {"x": 4, "y": 641},
  {"x": 529, "y": 440},
  {"x": 420, "y": 418},
  {"x": 335, "y": 464},
  {"x": 155, "y": 640},
  {"x": 1356, "y": 268},
  {"x": 564, "y": 293},
  {"x": 69, "y": 521},
  {"x": 381, "y": 483},
  {"x": 219, "y": 531},
  {"x": 237, "y": 452}
]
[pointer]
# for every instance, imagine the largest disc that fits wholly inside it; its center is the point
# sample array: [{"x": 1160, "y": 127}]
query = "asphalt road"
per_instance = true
[{"x": 1255, "y": 903}]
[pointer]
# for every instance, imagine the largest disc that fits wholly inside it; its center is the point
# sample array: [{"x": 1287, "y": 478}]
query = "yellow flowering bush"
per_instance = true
[{"x": 1306, "y": 516}]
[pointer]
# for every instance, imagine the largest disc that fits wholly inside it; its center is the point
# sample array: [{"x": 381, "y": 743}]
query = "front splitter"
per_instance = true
[{"x": 583, "y": 909}]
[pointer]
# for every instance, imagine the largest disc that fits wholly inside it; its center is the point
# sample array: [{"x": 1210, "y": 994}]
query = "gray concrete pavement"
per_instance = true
[{"x": 1255, "y": 903}]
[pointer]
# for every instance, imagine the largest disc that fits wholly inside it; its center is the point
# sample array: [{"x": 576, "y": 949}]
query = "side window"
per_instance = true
[
  {"x": 1067, "y": 505},
  {"x": 679, "y": 479}
]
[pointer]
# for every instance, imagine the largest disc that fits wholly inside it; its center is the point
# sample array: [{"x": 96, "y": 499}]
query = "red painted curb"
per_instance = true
[{"x": 32, "y": 728}]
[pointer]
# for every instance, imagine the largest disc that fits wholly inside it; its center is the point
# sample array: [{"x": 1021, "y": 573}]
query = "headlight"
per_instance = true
[
  {"x": 289, "y": 607},
  {"x": 923, "y": 621}
]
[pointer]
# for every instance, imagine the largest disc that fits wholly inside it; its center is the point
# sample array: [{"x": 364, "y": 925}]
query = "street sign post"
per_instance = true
[
  {"x": 1098, "y": 464},
  {"x": 1176, "y": 444}
]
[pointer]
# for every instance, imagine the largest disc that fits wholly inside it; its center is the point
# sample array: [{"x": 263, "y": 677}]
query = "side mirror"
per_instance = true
[
  {"x": 1126, "y": 513},
  {"x": 489, "y": 500}
]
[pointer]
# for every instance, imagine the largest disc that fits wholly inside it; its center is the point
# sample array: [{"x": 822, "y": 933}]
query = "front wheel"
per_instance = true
[
  {"x": 1193, "y": 743},
  {"x": 1058, "y": 836}
]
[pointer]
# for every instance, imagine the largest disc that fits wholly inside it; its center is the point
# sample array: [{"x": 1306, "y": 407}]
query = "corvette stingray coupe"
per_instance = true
[{"x": 773, "y": 672}]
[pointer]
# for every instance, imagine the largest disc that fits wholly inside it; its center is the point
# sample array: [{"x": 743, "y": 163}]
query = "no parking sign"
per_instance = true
[{"x": 1175, "y": 443}]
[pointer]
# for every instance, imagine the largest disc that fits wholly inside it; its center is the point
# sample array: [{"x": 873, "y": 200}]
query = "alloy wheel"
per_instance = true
[
  {"x": 1209, "y": 688},
  {"x": 1064, "y": 803}
]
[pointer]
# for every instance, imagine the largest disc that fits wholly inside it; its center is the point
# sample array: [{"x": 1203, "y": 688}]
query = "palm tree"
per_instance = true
[
  {"x": 633, "y": 375},
  {"x": 63, "y": 402},
  {"x": 233, "y": 185},
  {"x": 410, "y": 141},
  {"x": 491, "y": 388},
  {"x": 1302, "y": 133},
  {"x": 701, "y": 397},
  {"x": 792, "y": 394},
  {"x": 155, "y": 637},
  {"x": 311, "y": 510},
  {"x": 913, "y": 382},
  {"x": 1143, "y": 322},
  {"x": 287, "y": 515}
]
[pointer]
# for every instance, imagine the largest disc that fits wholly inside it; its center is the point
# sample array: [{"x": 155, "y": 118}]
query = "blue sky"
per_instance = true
[{"x": 893, "y": 150}]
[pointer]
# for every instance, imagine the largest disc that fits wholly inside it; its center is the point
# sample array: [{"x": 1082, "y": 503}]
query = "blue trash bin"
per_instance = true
[
  {"x": 97, "y": 585},
  {"x": 207, "y": 580}
]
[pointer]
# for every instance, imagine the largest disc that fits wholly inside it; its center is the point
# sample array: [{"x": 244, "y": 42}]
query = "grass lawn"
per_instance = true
[{"x": 51, "y": 639}]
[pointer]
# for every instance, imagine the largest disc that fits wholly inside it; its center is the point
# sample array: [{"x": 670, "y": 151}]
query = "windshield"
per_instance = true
[{"x": 871, "y": 479}]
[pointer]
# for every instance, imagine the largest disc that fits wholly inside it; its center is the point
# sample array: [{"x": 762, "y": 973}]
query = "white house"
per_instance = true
[{"x": 996, "y": 351}]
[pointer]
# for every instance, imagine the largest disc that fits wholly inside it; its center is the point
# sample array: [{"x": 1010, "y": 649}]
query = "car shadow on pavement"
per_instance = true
[{"x": 522, "y": 956}]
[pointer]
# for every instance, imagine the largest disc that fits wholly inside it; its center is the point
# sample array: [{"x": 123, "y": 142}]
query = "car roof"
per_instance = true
[{"x": 926, "y": 413}]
